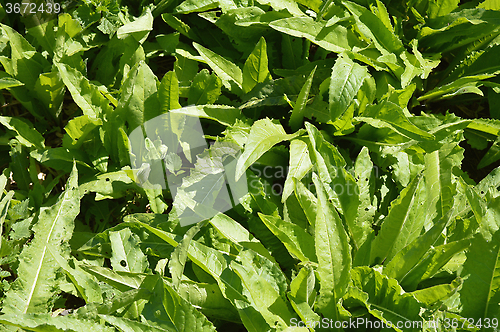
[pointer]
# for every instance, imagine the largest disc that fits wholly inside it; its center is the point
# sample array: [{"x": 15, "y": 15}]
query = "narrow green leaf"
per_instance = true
[
  {"x": 333, "y": 252},
  {"x": 179, "y": 256},
  {"x": 85, "y": 94},
  {"x": 168, "y": 92},
  {"x": 335, "y": 38},
  {"x": 256, "y": 68},
  {"x": 480, "y": 294},
  {"x": 26, "y": 133},
  {"x": 297, "y": 241},
  {"x": 389, "y": 115},
  {"x": 46, "y": 322},
  {"x": 34, "y": 289},
  {"x": 300, "y": 164},
  {"x": 228, "y": 72},
  {"x": 301, "y": 102},
  {"x": 302, "y": 294},
  {"x": 390, "y": 239}
]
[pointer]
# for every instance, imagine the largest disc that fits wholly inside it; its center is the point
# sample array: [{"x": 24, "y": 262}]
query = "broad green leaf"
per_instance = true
[
  {"x": 264, "y": 134},
  {"x": 168, "y": 92},
  {"x": 225, "y": 115},
  {"x": 384, "y": 298},
  {"x": 261, "y": 282},
  {"x": 302, "y": 294},
  {"x": 78, "y": 130},
  {"x": 480, "y": 292},
  {"x": 389, "y": 115},
  {"x": 297, "y": 241},
  {"x": 300, "y": 104},
  {"x": 441, "y": 8},
  {"x": 299, "y": 165},
  {"x": 228, "y": 72},
  {"x": 346, "y": 80},
  {"x": 256, "y": 69},
  {"x": 87, "y": 287},
  {"x": 340, "y": 185},
  {"x": 205, "y": 88},
  {"x": 126, "y": 256},
  {"x": 335, "y": 38},
  {"x": 139, "y": 100},
  {"x": 26, "y": 134},
  {"x": 35, "y": 288},
  {"x": 138, "y": 28},
  {"x": 8, "y": 82},
  {"x": 333, "y": 252},
  {"x": 431, "y": 295},
  {"x": 191, "y": 6},
  {"x": 365, "y": 172},
  {"x": 289, "y": 5},
  {"x": 85, "y": 94},
  {"x": 374, "y": 29},
  {"x": 167, "y": 311},
  {"x": 392, "y": 235},
  {"x": 236, "y": 233},
  {"x": 122, "y": 281},
  {"x": 50, "y": 90},
  {"x": 46, "y": 322}
]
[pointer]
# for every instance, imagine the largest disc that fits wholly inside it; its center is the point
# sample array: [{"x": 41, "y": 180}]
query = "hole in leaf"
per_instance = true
[
  {"x": 123, "y": 263},
  {"x": 107, "y": 179}
]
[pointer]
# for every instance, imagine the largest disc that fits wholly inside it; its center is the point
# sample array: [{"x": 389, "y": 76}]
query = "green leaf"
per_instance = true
[
  {"x": 228, "y": 72},
  {"x": 205, "y": 88},
  {"x": 167, "y": 311},
  {"x": 192, "y": 6},
  {"x": 139, "y": 100},
  {"x": 302, "y": 294},
  {"x": 35, "y": 288},
  {"x": 441, "y": 8},
  {"x": 492, "y": 155},
  {"x": 26, "y": 134},
  {"x": 256, "y": 69},
  {"x": 8, "y": 82},
  {"x": 179, "y": 256},
  {"x": 126, "y": 256},
  {"x": 335, "y": 38},
  {"x": 383, "y": 298},
  {"x": 333, "y": 252},
  {"x": 46, "y": 322},
  {"x": 264, "y": 134},
  {"x": 168, "y": 92},
  {"x": 85, "y": 94},
  {"x": 300, "y": 164},
  {"x": 346, "y": 80},
  {"x": 301, "y": 102},
  {"x": 392, "y": 235},
  {"x": 389, "y": 115},
  {"x": 138, "y": 28},
  {"x": 481, "y": 273},
  {"x": 374, "y": 29},
  {"x": 459, "y": 86},
  {"x": 297, "y": 241}
]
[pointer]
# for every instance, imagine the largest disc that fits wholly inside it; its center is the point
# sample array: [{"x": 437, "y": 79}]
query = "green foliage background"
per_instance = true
[{"x": 384, "y": 114}]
